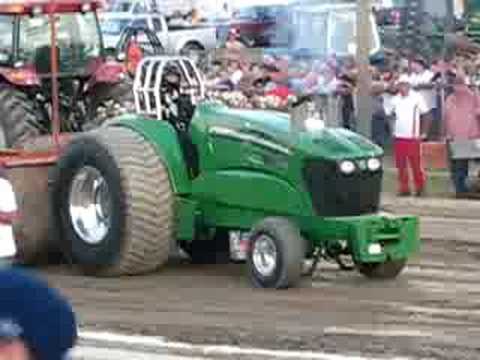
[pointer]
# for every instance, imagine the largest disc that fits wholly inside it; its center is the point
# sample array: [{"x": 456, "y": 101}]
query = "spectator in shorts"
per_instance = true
[
  {"x": 36, "y": 322},
  {"x": 408, "y": 106}
]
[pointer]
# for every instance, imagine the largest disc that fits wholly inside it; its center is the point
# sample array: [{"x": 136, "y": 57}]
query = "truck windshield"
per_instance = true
[
  {"x": 78, "y": 37},
  {"x": 335, "y": 32},
  {"x": 128, "y": 7},
  {"x": 114, "y": 26},
  {"x": 121, "y": 6},
  {"x": 261, "y": 12}
]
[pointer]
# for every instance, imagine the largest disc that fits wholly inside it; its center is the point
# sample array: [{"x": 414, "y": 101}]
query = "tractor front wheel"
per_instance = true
[
  {"x": 276, "y": 254},
  {"x": 387, "y": 270},
  {"x": 113, "y": 202}
]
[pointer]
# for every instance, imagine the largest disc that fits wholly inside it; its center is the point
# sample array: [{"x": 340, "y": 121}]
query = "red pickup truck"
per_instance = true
[{"x": 259, "y": 26}]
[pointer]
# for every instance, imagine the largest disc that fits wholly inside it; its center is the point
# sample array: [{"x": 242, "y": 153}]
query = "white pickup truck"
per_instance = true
[{"x": 174, "y": 38}]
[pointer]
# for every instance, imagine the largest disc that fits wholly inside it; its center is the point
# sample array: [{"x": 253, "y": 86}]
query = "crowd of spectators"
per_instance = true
[
  {"x": 272, "y": 80},
  {"x": 443, "y": 91}
]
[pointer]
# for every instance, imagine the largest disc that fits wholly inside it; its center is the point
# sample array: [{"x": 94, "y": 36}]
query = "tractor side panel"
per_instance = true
[
  {"x": 162, "y": 135},
  {"x": 249, "y": 190}
]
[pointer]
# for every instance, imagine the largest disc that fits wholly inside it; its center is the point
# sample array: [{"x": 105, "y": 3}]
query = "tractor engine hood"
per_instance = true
[
  {"x": 337, "y": 144},
  {"x": 279, "y": 130}
]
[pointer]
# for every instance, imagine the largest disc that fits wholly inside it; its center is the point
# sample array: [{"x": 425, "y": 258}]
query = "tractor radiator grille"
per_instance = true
[{"x": 336, "y": 194}]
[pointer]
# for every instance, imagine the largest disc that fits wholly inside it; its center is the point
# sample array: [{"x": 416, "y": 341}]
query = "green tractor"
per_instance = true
[{"x": 187, "y": 171}]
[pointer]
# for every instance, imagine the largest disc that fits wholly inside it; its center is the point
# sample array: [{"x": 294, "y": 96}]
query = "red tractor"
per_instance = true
[
  {"x": 55, "y": 79},
  {"x": 90, "y": 85}
]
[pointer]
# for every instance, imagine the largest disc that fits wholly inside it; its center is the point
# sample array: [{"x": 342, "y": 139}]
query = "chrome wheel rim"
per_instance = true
[
  {"x": 90, "y": 205},
  {"x": 264, "y": 255}
]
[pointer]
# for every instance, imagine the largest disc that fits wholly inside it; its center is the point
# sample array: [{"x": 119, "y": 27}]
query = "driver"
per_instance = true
[
  {"x": 170, "y": 94},
  {"x": 178, "y": 109}
]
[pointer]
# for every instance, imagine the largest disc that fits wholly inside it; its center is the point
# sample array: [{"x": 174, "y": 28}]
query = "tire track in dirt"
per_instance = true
[{"x": 431, "y": 311}]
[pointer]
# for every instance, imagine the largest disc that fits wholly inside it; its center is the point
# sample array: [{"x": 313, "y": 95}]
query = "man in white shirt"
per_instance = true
[
  {"x": 422, "y": 80},
  {"x": 8, "y": 213},
  {"x": 408, "y": 106}
]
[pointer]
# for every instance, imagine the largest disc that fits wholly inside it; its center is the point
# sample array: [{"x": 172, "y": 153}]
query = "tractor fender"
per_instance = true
[
  {"x": 24, "y": 76},
  {"x": 165, "y": 140}
]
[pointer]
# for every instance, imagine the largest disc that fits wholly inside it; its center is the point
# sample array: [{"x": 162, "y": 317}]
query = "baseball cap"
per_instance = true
[{"x": 36, "y": 314}]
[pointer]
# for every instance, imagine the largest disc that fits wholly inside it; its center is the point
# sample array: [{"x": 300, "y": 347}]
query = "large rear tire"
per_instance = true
[
  {"x": 19, "y": 116},
  {"x": 113, "y": 203}
]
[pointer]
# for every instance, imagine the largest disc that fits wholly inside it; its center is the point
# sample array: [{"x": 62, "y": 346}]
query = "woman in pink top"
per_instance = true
[{"x": 461, "y": 122}]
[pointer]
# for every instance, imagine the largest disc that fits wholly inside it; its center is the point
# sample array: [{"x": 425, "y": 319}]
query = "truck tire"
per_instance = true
[
  {"x": 19, "y": 117},
  {"x": 109, "y": 101},
  {"x": 276, "y": 254},
  {"x": 119, "y": 176},
  {"x": 387, "y": 270}
]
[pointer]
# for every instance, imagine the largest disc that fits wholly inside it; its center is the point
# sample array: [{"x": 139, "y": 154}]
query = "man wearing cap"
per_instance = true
[
  {"x": 36, "y": 321},
  {"x": 408, "y": 106}
]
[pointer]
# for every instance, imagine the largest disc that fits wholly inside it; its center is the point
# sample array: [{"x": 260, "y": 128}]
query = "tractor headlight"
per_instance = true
[
  {"x": 375, "y": 249},
  {"x": 374, "y": 164},
  {"x": 347, "y": 167}
]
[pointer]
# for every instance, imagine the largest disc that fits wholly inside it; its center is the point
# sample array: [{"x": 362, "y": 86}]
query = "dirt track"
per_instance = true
[{"x": 432, "y": 310}]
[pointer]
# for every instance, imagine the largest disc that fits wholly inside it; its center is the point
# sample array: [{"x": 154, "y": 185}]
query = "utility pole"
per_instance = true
[
  {"x": 364, "y": 99},
  {"x": 450, "y": 6},
  {"x": 447, "y": 47}
]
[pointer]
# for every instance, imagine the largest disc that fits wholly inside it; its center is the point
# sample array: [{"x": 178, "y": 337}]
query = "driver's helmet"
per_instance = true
[{"x": 172, "y": 75}]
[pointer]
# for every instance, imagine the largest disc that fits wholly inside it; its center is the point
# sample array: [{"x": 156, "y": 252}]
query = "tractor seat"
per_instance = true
[{"x": 43, "y": 60}]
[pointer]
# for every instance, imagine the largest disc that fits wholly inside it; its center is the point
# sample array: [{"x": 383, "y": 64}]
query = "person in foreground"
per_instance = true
[
  {"x": 36, "y": 321},
  {"x": 8, "y": 214}
]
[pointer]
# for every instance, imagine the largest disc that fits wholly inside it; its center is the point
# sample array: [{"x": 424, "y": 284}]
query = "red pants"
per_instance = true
[{"x": 407, "y": 151}]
